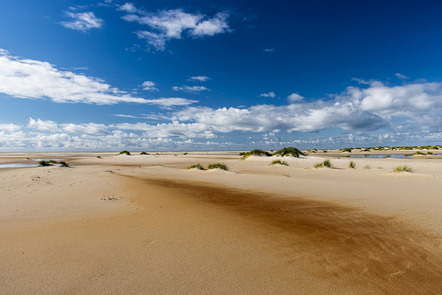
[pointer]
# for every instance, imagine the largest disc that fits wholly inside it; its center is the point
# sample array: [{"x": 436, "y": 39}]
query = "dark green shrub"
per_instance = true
[{"x": 124, "y": 153}]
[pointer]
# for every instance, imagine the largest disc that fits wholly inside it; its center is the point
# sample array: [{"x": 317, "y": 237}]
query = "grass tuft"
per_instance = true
[
  {"x": 255, "y": 152},
  {"x": 289, "y": 151},
  {"x": 218, "y": 166},
  {"x": 279, "y": 162},
  {"x": 124, "y": 153},
  {"x": 404, "y": 168},
  {"x": 326, "y": 164},
  {"x": 144, "y": 153},
  {"x": 197, "y": 166},
  {"x": 352, "y": 165}
]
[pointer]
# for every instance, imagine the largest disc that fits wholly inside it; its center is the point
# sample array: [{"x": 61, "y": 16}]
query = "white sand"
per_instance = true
[{"x": 149, "y": 225}]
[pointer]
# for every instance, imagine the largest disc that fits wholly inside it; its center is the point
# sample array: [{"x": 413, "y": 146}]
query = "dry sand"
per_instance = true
[{"x": 149, "y": 225}]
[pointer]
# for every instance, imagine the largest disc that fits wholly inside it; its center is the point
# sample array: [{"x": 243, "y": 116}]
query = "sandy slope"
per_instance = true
[{"x": 257, "y": 229}]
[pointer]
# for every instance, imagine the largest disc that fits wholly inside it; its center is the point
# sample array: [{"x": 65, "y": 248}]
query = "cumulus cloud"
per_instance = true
[
  {"x": 43, "y": 125},
  {"x": 190, "y": 89},
  {"x": 357, "y": 109},
  {"x": 268, "y": 94},
  {"x": 82, "y": 21},
  {"x": 198, "y": 79},
  {"x": 9, "y": 127},
  {"x": 149, "y": 86},
  {"x": 174, "y": 23},
  {"x": 32, "y": 79},
  {"x": 294, "y": 97}
]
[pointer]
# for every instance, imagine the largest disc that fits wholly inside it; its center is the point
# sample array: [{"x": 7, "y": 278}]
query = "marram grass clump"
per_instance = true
[
  {"x": 124, "y": 153},
  {"x": 352, "y": 165},
  {"x": 279, "y": 162},
  {"x": 197, "y": 166},
  {"x": 404, "y": 168},
  {"x": 218, "y": 166},
  {"x": 255, "y": 152},
  {"x": 326, "y": 164},
  {"x": 289, "y": 151},
  {"x": 45, "y": 163}
]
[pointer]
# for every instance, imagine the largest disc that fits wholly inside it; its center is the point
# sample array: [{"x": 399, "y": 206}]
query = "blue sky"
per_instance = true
[{"x": 108, "y": 75}]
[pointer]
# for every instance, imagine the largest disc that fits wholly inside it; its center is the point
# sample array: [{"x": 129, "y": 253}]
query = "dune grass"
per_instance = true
[
  {"x": 197, "y": 166},
  {"x": 218, "y": 166},
  {"x": 279, "y": 162},
  {"x": 352, "y": 165},
  {"x": 289, "y": 151},
  {"x": 326, "y": 164},
  {"x": 403, "y": 168},
  {"x": 124, "y": 153},
  {"x": 255, "y": 152}
]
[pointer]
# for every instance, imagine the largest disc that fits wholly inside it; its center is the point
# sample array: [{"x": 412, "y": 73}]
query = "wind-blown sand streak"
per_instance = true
[{"x": 380, "y": 253}]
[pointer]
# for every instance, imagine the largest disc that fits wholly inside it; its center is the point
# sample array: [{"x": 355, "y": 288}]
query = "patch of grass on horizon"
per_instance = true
[
  {"x": 124, "y": 153},
  {"x": 289, "y": 151},
  {"x": 403, "y": 168},
  {"x": 255, "y": 152}
]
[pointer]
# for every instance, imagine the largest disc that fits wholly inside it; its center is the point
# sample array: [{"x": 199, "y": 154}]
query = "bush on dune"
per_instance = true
[
  {"x": 218, "y": 166},
  {"x": 289, "y": 151},
  {"x": 255, "y": 152},
  {"x": 279, "y": 162}
]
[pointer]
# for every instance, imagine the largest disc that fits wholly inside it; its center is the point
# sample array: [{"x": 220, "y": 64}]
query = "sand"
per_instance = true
[{"x": 149, "y": 225}]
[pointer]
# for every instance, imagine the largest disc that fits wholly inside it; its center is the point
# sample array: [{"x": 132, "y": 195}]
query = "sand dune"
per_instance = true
[{"x": 148, "y": 225}]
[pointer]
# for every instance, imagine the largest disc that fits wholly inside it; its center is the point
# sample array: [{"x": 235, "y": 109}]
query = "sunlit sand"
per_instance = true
[{"x": 146, "y": 224}]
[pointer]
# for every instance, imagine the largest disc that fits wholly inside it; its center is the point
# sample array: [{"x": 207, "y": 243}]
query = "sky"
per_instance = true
[{"x": 108, "y": 75}]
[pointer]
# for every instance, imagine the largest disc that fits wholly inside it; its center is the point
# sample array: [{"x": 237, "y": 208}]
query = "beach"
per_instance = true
[{"x": 146, "y": 224}]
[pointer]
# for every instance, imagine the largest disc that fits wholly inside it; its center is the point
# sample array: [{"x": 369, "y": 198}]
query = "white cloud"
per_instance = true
[
  {"x": 32, "y": 79},
  {"x": 191, "y": 89},
  {"x": 355, "y": 109},
  {"x": 268, "y": 94},
  {"x": 216, "y": 25},
  {"x": 82, "y": 21},
  {"x": 88, "y": 128},
  {"x": 9, "y": 127},
  {"x": 149, "y": 86},
  {"x": 401, "y": 76},
  {"x": 198, "y": 79},
  {"x": 43, "y": 125},
  {"x": 269, "y": 50},
  {"x": 172, "y": 24},
  {"x": 294, "y": 97},
  {"x": 128, "y": 7},
  {"x": 171, "y": 101}
]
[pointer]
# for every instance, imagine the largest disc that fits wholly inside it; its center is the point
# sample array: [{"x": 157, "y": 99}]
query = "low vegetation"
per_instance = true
[
  {"x": 218, "y": 166},
  {"x": 289, "y": 151},
  {"x": 404, "y": 168},
  {"x": 255, "y": 152},
  {"x": 279, "y": 162},
  {"x": 144, "y": 153},
  {"x": 124, "y": 153},
  {"x": 352, "y": 165},
  {"x": 197, "y": 166},
  {"x": 326, "y": 164}
]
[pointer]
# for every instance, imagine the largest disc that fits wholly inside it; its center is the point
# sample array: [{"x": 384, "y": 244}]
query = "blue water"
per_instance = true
[
  {"x": 397, "y": 156},
  {"x": 17, "y": 165}
]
